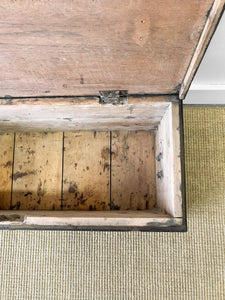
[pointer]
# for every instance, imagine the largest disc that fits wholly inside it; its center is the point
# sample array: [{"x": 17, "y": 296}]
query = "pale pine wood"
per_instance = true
[
  {"x": 6, "y": 164},
  {"x": 155, "y": 213},
  {"x": 168, "y": 163},
  {"x": 76, "y": 100},
  {"x": 165, "y": 164},
  {"x": 142, "y": 113},
  {"x": 79, "y": 47},
  {"x": 37, "y": 173},
  {"x": 210, "y": 26},
  {"x": 168, "y": 198},
  {"x": 177, "y": 157},
  {"x": 86, "y": 176},
  {"x": 88, "y": 219},
  {"x": 133, "y": 179},
  {"x": 104, "y": 221}
]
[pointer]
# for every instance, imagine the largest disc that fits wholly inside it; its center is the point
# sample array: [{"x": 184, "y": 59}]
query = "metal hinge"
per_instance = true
[{"x": 113, "y": 97}]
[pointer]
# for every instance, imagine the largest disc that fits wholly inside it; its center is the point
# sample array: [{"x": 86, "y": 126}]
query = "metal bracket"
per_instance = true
[{"x": 113, "y": 97}]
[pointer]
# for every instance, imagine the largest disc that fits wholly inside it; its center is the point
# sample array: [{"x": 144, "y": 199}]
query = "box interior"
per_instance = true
[{"x": 109, "y": 160}]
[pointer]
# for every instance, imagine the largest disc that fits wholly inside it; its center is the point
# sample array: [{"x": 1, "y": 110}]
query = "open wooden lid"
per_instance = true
[{"x": 79, "y": 47}]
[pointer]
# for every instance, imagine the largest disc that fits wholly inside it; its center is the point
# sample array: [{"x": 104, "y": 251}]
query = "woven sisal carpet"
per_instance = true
[{"x": 134, "y": 265}]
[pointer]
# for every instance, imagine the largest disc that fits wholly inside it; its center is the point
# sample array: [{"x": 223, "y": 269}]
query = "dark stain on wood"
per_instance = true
[
  {"x": 114, "y": 207},
  {"x": 81, "y": 79},
  {"x": 8, "y": 164},
  {"x": 147, "y": 198},
  {"x": 19, "y": 175},
  {"x": 176, "y": 89},
  {"x": 27, "y": 194},
  {"x": 159, "y": 157},
  {"x": 72, "y": 190},
  {"x": 14, "y": 217},
  {"x": 159, "y": 174},
  {"x": 105, "y": 153},
  {"x": 18, "y": 205},
  {"x": 80, "y": 198},
  {"x": 92, "y": 207},
  {"x": 131, "y": 199},
  {"x": 32, "y": 152},
  {"x": 8, "y": 99},
  {"x": 114, "y": 154},
  {"x": 106, "y": 167},
  {"x": 208, "y": 13},
  {"x": 22, "y": 174},
  {"x": 40, "y": 192}
]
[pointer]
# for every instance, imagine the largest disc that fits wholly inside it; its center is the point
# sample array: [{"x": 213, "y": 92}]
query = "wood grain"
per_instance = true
[
  {"x": 79, "y": 47},
  {"x": 168, "y": 163},
  {"x": 89, "y": 220},
  {"x": 177, "y": 157},
  {"x": 165, "y": 164},
  {"x": 37, "y": 173},
  {"x": 86, "y": 179},
  {"x": 83, "y": 100},
  {"x": 6, "y": 163},
  {"x": 133, "y": 181},
  {"x": 68, "y": 116}
]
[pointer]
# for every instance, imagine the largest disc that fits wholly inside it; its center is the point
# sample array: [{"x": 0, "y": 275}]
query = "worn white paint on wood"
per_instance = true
[
  {"x": 177, "y": 156},
  {"x": 86, "y": 214},
  {"x": 167, "y": 133},
  {"x": 71, "y": 117},
  {"x": 88, "y": 218},
  {"x": 75, "y": 100},
  {"x": 168, "y": 169},
  {"x": 164, "y": 164},
  {"x": 103, "y": 222}
]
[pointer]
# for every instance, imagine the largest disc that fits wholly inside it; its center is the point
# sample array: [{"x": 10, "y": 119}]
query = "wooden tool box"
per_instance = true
[{"x": 91, "y": 111}]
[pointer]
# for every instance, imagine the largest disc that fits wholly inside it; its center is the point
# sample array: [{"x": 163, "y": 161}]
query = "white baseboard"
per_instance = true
[{"x": 206, "y": 94}]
